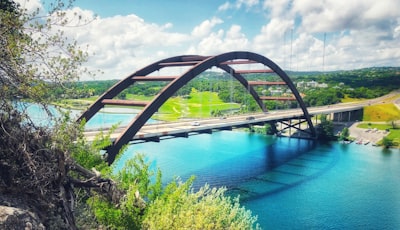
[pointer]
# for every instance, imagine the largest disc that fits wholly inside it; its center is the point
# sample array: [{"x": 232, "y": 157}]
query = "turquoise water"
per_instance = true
[
  {"x": 98, "y": 121},
  {"x": 289, "y": 183}
]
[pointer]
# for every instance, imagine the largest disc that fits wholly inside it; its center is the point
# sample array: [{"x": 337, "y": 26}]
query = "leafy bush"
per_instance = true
[
  {"x": 181, "y": 208},
  {"x": 147, "y": 205}
]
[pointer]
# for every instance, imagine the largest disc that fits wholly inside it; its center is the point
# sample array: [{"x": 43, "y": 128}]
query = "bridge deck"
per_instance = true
[{"x": 185, "y": 128}]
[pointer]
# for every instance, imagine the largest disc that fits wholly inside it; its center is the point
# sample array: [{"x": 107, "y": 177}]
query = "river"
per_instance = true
[{"x": 288, "y": 183}]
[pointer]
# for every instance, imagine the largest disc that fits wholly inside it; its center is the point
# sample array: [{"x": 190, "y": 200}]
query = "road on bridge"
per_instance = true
[{"x": 185, "y": 128}]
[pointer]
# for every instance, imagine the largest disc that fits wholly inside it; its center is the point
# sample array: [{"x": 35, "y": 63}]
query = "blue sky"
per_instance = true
[
  {"x": 130, "y": 34},
  {"x": 183, "y": 14}
]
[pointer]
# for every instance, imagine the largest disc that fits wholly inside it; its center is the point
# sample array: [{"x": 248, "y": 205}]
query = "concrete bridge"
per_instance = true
[{"x": 231, "y": 63}]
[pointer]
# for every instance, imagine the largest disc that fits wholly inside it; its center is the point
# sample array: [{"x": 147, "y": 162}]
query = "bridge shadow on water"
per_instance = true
[{"x": 286, "y": 163}]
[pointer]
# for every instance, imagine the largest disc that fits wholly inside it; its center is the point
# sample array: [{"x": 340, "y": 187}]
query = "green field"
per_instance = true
[
  {"x": 381, "y": 112},
  {"x": 197, "y": 105}
]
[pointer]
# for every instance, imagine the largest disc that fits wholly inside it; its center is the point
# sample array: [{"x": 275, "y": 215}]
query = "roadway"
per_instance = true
[{"x": 189, "y": 127}]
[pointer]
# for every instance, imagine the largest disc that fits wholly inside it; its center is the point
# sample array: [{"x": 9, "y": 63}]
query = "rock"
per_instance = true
[{"x": 16, "y": 218}]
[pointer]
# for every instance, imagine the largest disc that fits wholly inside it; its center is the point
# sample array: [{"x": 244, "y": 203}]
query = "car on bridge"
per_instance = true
[
  {"x": 250, "y": 118},
  {"x": 195, "y": 123}
]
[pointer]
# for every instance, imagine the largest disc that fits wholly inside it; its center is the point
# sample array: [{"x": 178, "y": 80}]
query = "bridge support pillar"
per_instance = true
[{"x": 348, "y": 116}]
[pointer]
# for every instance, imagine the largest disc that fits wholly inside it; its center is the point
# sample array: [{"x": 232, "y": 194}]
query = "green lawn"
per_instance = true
[
  {"x": 197, "y": 105},
  {"x": 381, "y": 112}
]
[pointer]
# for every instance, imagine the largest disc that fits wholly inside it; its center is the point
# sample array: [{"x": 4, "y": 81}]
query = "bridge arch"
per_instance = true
[{"x": 198, "y": 65}]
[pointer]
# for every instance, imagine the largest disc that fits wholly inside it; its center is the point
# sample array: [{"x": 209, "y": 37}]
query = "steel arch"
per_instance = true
[{"x": 200, "y": 64}]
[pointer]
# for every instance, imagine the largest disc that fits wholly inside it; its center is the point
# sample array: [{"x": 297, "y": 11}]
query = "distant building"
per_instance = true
[
  {"x": 311, "y": 84},
  {"x": 276, "y": 91},
  {"x": 300, "y": 84}
]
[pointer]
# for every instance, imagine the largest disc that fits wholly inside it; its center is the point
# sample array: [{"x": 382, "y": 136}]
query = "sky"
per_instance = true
[{"x": 298, "y": 35}]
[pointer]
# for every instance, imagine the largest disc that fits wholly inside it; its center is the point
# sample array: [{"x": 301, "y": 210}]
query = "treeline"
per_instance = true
[{"x": 363, "y": 83}]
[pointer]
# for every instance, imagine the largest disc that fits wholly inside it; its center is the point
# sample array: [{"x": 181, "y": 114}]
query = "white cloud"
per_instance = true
[
  {"x": 123, "y": 44},
  {"x": 206, "y": 27},
  {"x": 273, "y": 40},
  {"x": 225, "y": 6},
  {"x": 336, "y": 15},
  {"x": 222, "y": 41},
  {"x": 277, "y": 8},
  {"x": 247, "y": 3},
  {"x": 238, "y": 4}
]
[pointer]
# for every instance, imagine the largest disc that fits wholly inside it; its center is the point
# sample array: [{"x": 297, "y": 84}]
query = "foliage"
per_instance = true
[
  {"x": 89, "y": 155},
  {"x": 35, "y": 57},
  {"x": 381, "y": 80},
  {"x": 319, "y": 97},
  {"x": 36, "y": 166},
  {"x": 179, "y": 208},
  {"x": 387, "y": 143},
  {"x": 137, "y": 171},
  {"x": 393, "y": 124},
  {"x": 325, "y": 129},
  {"x": 344, "y": 134},
  {"x": 148, "y": 205}
]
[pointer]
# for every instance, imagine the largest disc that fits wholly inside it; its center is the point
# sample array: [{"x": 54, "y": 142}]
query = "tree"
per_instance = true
[
  {"x": 344, "y": 135},
  {"x": 393, "y": 124},
  {"x": 325, "y": 129},
  {"x": 37, "y": 171},
  {"x": 35, "y": 54},
  {"x": 387, "y": 142}
]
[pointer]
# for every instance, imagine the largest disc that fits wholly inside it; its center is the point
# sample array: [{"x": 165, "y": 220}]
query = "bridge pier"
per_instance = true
[
  {"x": 290, "y": 124},
  {"x": 348, "y": 116}
]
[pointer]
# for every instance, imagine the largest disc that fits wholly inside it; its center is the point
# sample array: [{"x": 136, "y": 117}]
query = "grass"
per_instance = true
[
  {"x": 381, "y": 112},
  {"x": 347, "y": 99},
  {"x": 198, "y": 105}
]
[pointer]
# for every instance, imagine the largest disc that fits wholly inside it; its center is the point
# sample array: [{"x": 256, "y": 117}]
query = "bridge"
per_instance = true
[
  {"x": 159, "y": 131},
  {"x": 231, "y": 63}
]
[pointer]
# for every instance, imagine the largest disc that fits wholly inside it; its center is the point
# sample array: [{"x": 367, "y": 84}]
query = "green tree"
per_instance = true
[
  {"x": 35, "y": 162},
  {"x": 387, "y": 142},
  {"x": 344, "y": 135},
  {"x": 393, "y": 124},
  {"x": 325, "y": 129}
]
